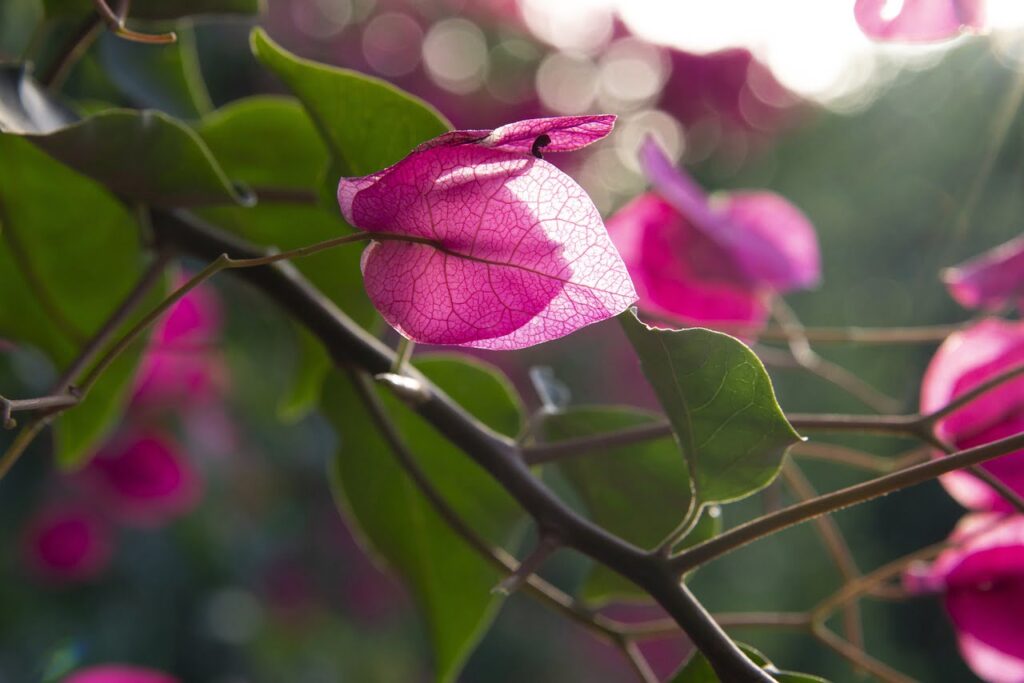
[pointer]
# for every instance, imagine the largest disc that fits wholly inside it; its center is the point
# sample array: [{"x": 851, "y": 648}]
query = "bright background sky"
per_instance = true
[{"x": 813, "y": 46}]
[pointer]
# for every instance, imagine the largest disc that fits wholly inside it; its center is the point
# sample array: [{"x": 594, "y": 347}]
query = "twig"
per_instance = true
[
  {"x": 858, "y": 657},
  {"x": 639, "y": 662},
  {"x": 837, "y": 500},
  {"x": 836, "y": 546},
  {"x": 76, "y": 46}
]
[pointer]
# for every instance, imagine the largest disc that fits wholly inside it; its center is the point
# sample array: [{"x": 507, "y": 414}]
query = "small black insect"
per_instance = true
[{"x": 542, "y": 141}]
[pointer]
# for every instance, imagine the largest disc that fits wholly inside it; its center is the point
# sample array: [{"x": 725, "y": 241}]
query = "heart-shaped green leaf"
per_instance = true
[{"x": 720, "y": 401}]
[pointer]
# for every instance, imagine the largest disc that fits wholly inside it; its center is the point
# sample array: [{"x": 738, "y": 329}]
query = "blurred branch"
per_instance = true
[
  {"x": 71, "y": 51},
  {"x": 858, "y": 657},
  {"x": 806, "y": 357},
  {"x": 835, "y": 545}
]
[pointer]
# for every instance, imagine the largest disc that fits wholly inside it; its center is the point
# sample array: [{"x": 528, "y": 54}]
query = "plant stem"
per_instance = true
[
  {"x": 858, "y": 657},
  {"x": 350, "y": 345},
  {"x": 830, "y": 502}
]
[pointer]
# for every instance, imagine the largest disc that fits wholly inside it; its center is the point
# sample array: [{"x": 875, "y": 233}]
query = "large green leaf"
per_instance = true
[
  {"x": 451, "y": 582},
  {"x": 145, "y": 156},
  {"x": 639, "y": 492},
  {"x": 164, "y": 77},
  {"x": 159, "y": 9},
  {"x": 720, "y": 401},
  {"x": 368, "y": 123},
  {"x": 698, "y": 670},
  {"x": 270, "y": 144},
  {"x": 69, "y": 254},
  {"x": 17, "y": 17}
]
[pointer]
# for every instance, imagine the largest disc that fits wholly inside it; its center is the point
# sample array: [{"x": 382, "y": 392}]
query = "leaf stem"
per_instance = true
[{"x": 116, "y": 24}]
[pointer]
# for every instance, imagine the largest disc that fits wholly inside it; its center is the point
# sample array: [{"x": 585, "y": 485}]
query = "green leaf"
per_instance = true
[
  {"x": 367, "y": 123},
  {"x": 69, "y": 255},
  {"x": 271, "y": 144},
  {"x": 146, "y": 156},
  {"x": 159, "y": 9},
  {"x": 312, "y": 367},
  {"x": 720, "y": 401},
  {"x": 17, "y": 17},
  {"x": 639, "y": 492},
  {"x": 164, "y": 77},
  {"x": 698, "y": 670},
  {"x": 450, "y": 581}
]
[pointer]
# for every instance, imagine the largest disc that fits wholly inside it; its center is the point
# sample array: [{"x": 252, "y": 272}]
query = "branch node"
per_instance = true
[
  {"x": 407, "y": 388},
  {"x": 546, "y": 547}
]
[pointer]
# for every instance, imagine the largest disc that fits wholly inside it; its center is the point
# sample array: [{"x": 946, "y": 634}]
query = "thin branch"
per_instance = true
[
  {"x": 806, "y": 357},
  {"x": 976, "y": 392},
  {"x": 640, "y": 665},
  {"x": 835, "y": 544},
  {"x": 858, "y": 657},
  {"x": 496, "y": 454},
  {"x": 72, "y": 51},
  {"x": 837, "y": 500}
]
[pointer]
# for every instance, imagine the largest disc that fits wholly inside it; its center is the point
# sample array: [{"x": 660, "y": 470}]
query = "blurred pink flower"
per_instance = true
[
  {"x": 181, "y": 366},
  {"x": 918, "y": 20},
  {"x": 67, "y": 543},
  {"x": 707, "y": 260},
  {"x": 119, "y": 673},
  {"x": 730, "y": 87},
  {"x": 143, "y": 479},
  {"x": 965, "y": 360},
  {"x": 982, "y": 578},
  {"x": 991, "y": 280},
  {"x": 496, "y": 248}
]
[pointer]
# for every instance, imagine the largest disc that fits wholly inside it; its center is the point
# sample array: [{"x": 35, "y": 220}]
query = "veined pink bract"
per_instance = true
[
  {"x": 918, "y": 20},
  {"x": 484, "y": 244},
  {"x": 711, "y": 260},
  {"x": 982, "y": 578},
  {"x": 965, "y": 360}
]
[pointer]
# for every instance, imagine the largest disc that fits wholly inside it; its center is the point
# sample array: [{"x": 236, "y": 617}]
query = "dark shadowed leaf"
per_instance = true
[
  {"x": 451, "y": 582},
  {"x": 639, "y": 492},
  {"x": 69, "y": 253},
  {"x": 368, "y": 123},
  {"x": 159, "y": 9},
  {"x": 164, "y": 77},
  {"x": 720, "y": 401},
  {"x": 146, "y": 156}
]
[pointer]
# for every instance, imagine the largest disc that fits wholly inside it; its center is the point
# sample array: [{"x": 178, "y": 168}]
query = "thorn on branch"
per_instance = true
[{"x": 546, "y": 547}]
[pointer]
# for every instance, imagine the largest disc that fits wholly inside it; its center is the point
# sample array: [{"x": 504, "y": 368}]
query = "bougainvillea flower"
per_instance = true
[
  {"x": 182, "y": 366},
  {"x": 119, "y": 673},
  {"x": 481, "y": 243},
  {"x": 67, "y": 543},
  {"x": 701, "y": 259},
  {"x": 918, "y": 20},
  {"x": 991, "y": 280},
  {"x": 982, "y": 578},
  {"x": 143, "y": 479},
  {"x": 965, "y": 360}
]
